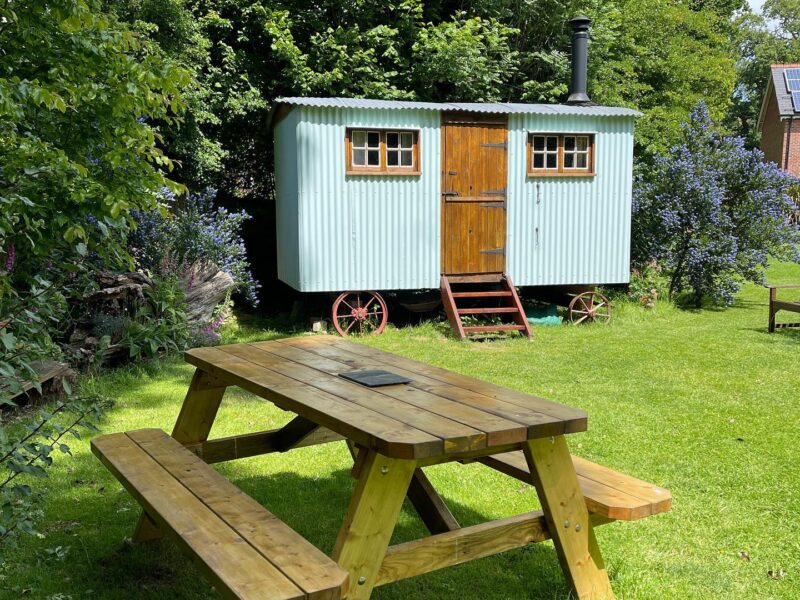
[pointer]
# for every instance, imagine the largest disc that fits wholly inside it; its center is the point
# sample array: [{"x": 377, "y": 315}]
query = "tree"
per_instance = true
[
  {"x": 82, "y": 99},
  {"x": 712, "y": 212}
]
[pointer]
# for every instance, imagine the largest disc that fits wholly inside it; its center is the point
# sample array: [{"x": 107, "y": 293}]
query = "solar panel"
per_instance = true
[
  {"x": 796, "y": 101},
  {"x": 792, "y": 77}
]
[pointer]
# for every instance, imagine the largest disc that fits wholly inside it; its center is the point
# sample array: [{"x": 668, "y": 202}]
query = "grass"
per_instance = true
[{"x": 704, "y": 402}]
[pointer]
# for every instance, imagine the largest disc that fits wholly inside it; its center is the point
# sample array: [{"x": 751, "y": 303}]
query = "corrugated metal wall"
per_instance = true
[
  {"x": 365, "y": 232},
  {"x": 570, "y": 230},
  {"x": 286, "y": 196},
  {"x": 376, "y": 232}
]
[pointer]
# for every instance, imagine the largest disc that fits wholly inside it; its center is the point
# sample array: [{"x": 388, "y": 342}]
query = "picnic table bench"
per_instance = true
[
  {"x": 394, "y": 432},
  {"x": 776, "y": 305}
]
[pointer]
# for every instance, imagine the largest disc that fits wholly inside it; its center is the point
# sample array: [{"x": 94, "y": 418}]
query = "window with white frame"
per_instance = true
[
  {"x": 382, "y": 152},
  {"x": 551, "y": 154},
  {"x": 366, "y": 149}
]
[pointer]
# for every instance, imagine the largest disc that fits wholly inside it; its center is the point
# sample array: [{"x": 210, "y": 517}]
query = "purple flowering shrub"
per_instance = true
[
  {"x": 193, "y": 231},
  {"x": 712, "y": 213}
]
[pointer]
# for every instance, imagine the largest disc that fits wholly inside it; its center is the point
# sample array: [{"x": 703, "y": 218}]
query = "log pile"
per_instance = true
[{"x": 121, "y": 295}]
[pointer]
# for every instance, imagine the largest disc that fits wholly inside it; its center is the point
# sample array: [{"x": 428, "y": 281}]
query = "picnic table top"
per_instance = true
[{"x": 437, "y": 414}]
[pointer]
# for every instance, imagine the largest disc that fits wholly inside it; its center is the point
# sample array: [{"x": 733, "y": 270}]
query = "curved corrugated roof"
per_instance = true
[{"x": 480, "y": 107}]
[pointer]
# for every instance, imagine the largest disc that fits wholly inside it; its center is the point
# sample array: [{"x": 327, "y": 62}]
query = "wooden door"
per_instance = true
[{"x": 473, "y": 193}]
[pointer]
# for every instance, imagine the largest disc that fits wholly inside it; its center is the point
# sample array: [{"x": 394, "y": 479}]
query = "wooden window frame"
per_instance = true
[
  {"x": 383, "y": 169},
  {"x": 560, "y": 170}
]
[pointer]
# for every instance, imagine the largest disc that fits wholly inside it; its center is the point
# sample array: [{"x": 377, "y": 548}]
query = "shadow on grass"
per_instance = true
[{"x": 314, "y": 507}]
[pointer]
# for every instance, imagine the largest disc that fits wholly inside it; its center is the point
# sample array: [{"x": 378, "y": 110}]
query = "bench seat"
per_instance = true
[
  {"x": 246, "y": 552},
  {"x": 608, "y": 493}
]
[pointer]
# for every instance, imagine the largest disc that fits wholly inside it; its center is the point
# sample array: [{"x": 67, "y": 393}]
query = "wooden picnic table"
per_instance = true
[{"x": 393, "y": 432}]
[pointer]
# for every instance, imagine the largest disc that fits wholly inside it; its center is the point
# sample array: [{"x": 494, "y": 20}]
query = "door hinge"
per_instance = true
[
  {"x": 501, "y": 251},
  {"x": 449, "y": 193},
  {"x": 501, "y": 204},
  {"x": 503, "y": 145}
]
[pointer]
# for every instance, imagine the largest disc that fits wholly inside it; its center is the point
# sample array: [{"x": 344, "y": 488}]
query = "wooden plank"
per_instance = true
[
  {"x": 307, "y": 567},
  {"x": 455, "y": 436},
  {"x": 491, "y": 328},
  {"x": 233, "y": 566},
  {"x": 572, "y": 420},
  {"x": 199, "y": 408},
  {"x": 608, "y": 493},
  {"x": 294, "y": 432},
  {"x": 497, "y": 429},
  {"x": 567, "y": 518},
  {"x": 543, "y": 418},
  {"x": 196, "y": 417},
  {"x": 520, "y": 318},
  {"x": 255, "y": 444},
  {"x": 468, "y": 543},
  {"x": 449, "y": 303},
  {"x": 429, "y": 505},
  {"x": 365, "y": 426},
  {"x": 491, "y": 294},
  {"x": 370, "y": 520},
  {"x": 487, "y": 311}
]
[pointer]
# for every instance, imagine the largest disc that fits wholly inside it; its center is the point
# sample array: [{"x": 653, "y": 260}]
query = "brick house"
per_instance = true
[{"x": 779, "y": 119}]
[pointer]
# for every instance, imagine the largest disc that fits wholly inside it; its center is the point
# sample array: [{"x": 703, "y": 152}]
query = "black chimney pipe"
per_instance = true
[{"x": 580, "y": 57}]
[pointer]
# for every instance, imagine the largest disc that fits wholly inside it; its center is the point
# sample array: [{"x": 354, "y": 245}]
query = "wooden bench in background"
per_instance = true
[
  {"x": 775, "y": 305},
  {"x": 246, "y": 552}
]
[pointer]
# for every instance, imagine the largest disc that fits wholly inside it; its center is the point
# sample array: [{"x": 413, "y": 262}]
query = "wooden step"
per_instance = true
[
  {"x": 493, "y": 294},
  {"x": 488, "y": 311},
  {"x": 608, "y": 493},
  {"x": 246, "y": 552},
  {"x": 479, "y": 278},
  {"x": 490, "y": 328}
]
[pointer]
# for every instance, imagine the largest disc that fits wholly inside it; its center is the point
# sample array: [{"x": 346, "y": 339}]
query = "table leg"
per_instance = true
[
  {"x": 554, "y": 477},
  {"x": 367, "y": 529},
  {"x": 193, "y": 426}
]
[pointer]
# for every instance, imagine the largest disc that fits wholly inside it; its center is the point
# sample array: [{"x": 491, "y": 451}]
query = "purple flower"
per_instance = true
[{"x": 11, "y": 257}]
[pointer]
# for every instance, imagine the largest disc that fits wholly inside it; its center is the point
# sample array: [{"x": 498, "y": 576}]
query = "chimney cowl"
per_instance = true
[{"x": 580, "y": 57}]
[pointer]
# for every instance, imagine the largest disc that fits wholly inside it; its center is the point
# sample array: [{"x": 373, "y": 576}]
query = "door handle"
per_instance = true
[{"x": 449, "y": 193}]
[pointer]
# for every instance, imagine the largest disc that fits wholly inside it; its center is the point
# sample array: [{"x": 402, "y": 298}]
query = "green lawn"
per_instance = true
[{"x": 705, "y": 403}]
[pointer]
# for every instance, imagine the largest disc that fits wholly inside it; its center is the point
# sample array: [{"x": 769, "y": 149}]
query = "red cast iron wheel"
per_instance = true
[
  {"x": 589, "y": 307},
  {"x": 359, "y": 313}
]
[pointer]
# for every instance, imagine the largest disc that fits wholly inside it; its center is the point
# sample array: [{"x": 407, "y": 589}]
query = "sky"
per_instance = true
[{"x": 756, "y": 5}]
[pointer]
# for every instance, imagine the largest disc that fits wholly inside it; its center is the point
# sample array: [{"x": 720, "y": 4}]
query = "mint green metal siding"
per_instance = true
[
  {"x": 362, "y": 231},
  {"x": 570, "y": 230},
  {"x": 338, "y": 232},
  {"x": 286, "y": 197}
]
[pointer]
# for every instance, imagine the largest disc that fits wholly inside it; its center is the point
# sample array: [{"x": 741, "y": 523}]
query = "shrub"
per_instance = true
[
  {"x": 170, "y": 241},
  {"x": 711, "y": 213}
]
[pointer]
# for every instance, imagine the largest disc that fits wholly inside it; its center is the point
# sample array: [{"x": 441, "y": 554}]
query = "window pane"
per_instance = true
[
  {"x": 359, "y": 138},
  {"x": 392, "y": 139},
  {"x": 569, "y": 143},
  {"x": 582, "y": 161},
  {"x": 552, "y": 143},
  {"x": 359, "y": 157},
  {"x": 407, "y": 139},
  {"x": 391, "y": 158},
  {"x": 374, "y": 139},
  {"x": 373, "y": 158},
  {"x": 538, "y": 160},
  {"x": 552, "y": 161},
  {"x": 407, "y": 158},
  {"x": 583, "y": 143},
  {"x": 538, "y": 142},
  {"x": 569, "y": 161}
]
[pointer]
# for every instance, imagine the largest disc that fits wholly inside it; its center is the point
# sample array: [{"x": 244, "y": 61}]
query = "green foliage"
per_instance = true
[
  {"x": 27, "y": 450},
  {"x": 661, "y": 57},
  {"x": 159, "y": 325},
  {"x": 79, "y": 95}
]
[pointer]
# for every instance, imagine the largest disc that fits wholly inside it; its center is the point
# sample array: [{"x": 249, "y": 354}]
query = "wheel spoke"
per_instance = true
[
  {"x": 371, "y": 300},
  {"x": 349, "y": 327},
  {"x": 347, "y": 303},
  {"x": 581, "y": 320}
]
